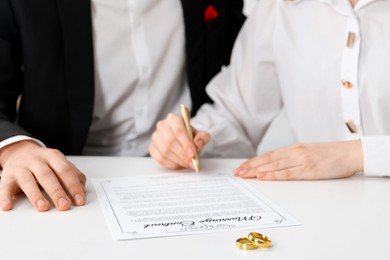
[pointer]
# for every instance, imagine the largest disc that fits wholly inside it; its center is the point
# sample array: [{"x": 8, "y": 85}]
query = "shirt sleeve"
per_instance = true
[
  {"x": 376, "y": 150},
  {"x": 246, "y": 95},
  {"x": 19, "y": 138}
]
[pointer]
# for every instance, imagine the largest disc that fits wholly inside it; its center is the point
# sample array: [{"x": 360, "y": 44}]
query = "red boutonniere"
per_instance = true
[{"x": 210, "y": 13}]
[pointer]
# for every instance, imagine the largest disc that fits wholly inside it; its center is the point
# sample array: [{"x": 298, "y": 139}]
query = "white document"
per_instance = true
[{"x": 181, "y": 204}]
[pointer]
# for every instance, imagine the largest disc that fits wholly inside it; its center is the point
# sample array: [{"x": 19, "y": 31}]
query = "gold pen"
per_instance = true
[{"x": 186, "y": 117}]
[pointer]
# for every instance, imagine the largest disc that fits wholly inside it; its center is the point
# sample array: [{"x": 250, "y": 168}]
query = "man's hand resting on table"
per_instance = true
[{"x": 26, "y": 166}]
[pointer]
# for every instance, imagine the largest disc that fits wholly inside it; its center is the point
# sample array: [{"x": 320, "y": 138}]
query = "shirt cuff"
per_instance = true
[
  {"x": 376, "y": 151},
  {"x": 19, "y": 138}
]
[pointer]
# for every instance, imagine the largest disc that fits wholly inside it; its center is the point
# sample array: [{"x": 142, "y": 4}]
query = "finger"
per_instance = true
[
  {"x": 293, "y": 173},
  {"x": 277, "y": 165},
  {"x": 82, "y": 178},
  {"x": 255, "y": 162},
  {"x": 179, "y": 131},
  {"x": 169, "y": 146},
  {"x": 50, "y": 183},
  {"x": 70, "y": 177},
  {"x": 7, "y": 191},
  {"x": 201, "y": 138},
  {"x": 265, "y": 158},
  {"x": 162, "y": 160},
  {"x": 28, "y": 184}
]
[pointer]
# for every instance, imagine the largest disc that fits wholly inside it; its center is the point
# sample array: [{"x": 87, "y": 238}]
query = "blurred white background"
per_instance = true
[{"x": 279, "y": 133}]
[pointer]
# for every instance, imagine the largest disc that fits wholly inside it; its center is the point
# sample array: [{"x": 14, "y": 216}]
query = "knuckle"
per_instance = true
[
  {"x": 75, "y": 189},
  {"x": 57, "y": 192},
  {"x": 32, "y": 192},
  {"x": 28, "y": 162},
  {"x": 7, "y": 175},
  {"x": 267, "y": 156},
  {"x": 43, "y": 174},
  {"x": 65, "y": 168},
  {"x": 8, "y": 188},
  {"x": 23, "y": 178},
  {"x": 33, "y": 195},
  {"x": 160, "y": 124},
  {"x": 171, "y": 117},
  {"x": 300, "y": 148},
  {"x": 53, "y": 152},
  {"x": 82, "y": 177},
  {"x": 178, "y": 131},
  {"x": 297, "y": 146}
]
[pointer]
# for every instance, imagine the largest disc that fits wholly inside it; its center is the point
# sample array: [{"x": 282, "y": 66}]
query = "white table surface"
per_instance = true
[{"x": 341, "y": 219}]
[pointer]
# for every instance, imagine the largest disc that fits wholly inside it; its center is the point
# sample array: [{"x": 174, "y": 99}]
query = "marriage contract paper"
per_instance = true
[{"x": 181, "y": 204}]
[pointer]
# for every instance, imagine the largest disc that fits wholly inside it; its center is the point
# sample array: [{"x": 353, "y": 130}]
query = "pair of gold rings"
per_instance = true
[{"x": 253, "y": 241}]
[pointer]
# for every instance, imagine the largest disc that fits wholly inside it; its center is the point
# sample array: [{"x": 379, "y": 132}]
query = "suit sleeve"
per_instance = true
[{"x": 11, "y": 74}]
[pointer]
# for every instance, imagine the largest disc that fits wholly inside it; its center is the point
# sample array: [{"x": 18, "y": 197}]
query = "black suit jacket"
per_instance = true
[{"x": 46, "y": 56}]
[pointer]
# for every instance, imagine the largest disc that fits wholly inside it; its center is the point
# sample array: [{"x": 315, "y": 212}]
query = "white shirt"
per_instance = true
[
  {"x": 325, "y": 62},
  {"x": 139, "y": 51},
  {"x": 139, "y": 56}
]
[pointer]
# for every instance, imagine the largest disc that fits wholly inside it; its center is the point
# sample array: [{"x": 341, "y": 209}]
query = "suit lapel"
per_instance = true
[{"x": 75, "y": 19}]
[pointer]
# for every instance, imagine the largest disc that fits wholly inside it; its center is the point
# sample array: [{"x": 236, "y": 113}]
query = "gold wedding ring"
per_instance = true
[
  {"x": 259, "y": 240},
  {"x": 253, "y": 241},
  {"x": 245, "y": 244}
]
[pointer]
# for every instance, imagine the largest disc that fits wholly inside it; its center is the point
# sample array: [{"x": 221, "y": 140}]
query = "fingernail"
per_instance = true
[
  {"x": 260, "y": 175},
  {"x": 40, "y": 203},
  {"x": 79, "y": 199},
  {"x": 242, "y": 172},
  {"x": 4, "y": 204},
  {"x": 235, "y": 171},
  {"x": 190, "y": 153},
  {"x": 62, "y": 202}
]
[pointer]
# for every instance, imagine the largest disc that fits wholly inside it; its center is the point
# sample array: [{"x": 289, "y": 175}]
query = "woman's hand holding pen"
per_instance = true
[
  {"x": 310, "y": 161},
  {"x": 172, "y": 147}
]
